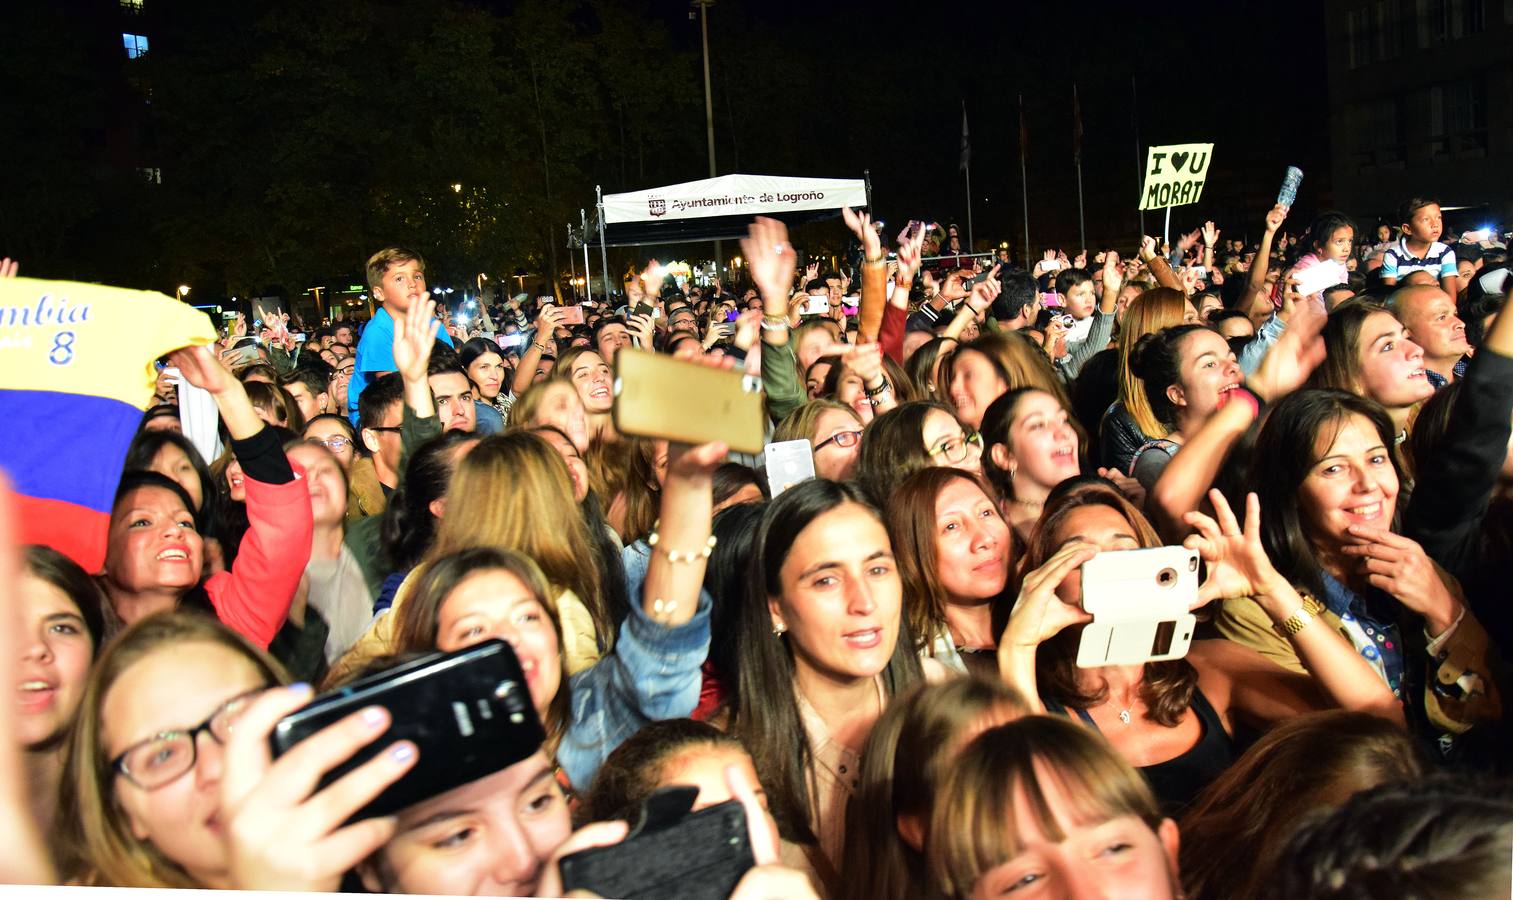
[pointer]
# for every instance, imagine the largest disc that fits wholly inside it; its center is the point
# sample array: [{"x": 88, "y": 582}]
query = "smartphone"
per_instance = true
[
  {"x": 572, "y": 315},
  {"x": 511, "y": 340},
  {"x": 468, "y": 713},
  {"x": 1200, "y": 271},
  {"x": 662, "y": 397},
  {"x": 245, "y": 355},
  {"x": 787, "y": 464},
  {"x": 816, "y": 305},
  {"x": 968, "y": 283},
  {"x": 1140, "y": 601},
  {"x": 645, "y": 309},
  {"x": 1288, "y": 195},
  {"x": 670, "y": 853},
  {"x": 1064, "y": 320}
]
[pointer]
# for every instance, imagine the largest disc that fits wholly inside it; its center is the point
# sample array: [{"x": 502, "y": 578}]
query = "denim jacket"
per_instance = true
[{"x": 653, "y": 673}]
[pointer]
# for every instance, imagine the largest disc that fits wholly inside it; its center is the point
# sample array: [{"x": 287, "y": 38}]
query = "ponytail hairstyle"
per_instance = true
[
  {"x": 1148, "y": 313},
  {"x": 409, "y": 526},
  {"x": 1156, "y": 359}
]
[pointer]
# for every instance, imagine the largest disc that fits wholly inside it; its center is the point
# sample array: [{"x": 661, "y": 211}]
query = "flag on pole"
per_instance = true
[
  {"x": 1076, "y": 127},
  {"x": 966, "y": 145}
]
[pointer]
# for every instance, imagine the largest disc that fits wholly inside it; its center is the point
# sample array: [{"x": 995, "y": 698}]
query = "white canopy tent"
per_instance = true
[{"x": 714, "y": 209}]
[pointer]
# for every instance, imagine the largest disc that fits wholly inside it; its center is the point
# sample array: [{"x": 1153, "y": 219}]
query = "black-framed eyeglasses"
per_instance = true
[
  {"x": 167, "y": 755},
  {"x": 840, "y": 439},
  {"x": 955, "y": 449}
]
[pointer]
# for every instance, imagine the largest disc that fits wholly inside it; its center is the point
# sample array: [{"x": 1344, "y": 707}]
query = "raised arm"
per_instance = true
[
  {"x": 1158, "y": 266},
  {"x": 1274, "y": 220},
  {"x": 1038, "y": 616},
  {"x": 1239, "y": 568},
  {"x": 874, "y": 276},
  {"x": 770, "y": 259},
  {"x": 546, "y": 326}
]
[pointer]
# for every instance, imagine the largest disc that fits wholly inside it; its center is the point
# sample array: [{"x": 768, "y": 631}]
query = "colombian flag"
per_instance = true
[{"x": 76, "y": 374}]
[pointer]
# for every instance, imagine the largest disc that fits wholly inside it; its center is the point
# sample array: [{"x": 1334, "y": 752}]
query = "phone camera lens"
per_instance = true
[{"x": 1166, "y": 577}]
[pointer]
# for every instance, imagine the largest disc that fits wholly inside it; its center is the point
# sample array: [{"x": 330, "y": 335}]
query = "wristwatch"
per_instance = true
[{"x": 1299, "y": 620}]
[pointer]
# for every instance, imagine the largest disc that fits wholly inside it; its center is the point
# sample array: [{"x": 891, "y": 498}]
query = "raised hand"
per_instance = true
[
  {"x": 1080, "y": 260},
  {"x": 861, "y": 226},
  {"x": 1112, "y": 279},
  {"x": 203, "y": 369},
  {"x": 1275, "y": 218},
  {"x": 9, "y": 267},
  {"x": 769, "y": 258},
  {"x": 1210, "y": 236},
  {"x": 1131, "y": 488},
  {"x": 1237, "y": 562},
  {"x": 910, "y": 254},
  {"x": 548, "y": 320},
  {"x": 1147, "y": 247},
  {"x": 985, "y": 292},
  {"x": 1293, "y": 357},
  {"x": 866, "y": 360},
  {"x": 652, "y": 278},
  {"x": 642, "y": 328},
  {"x": 811, "y": 272},
  {"x": 748, "y": 328},
  {"x": 414, "y": 336},
  {"x": 952, "y": 289}
]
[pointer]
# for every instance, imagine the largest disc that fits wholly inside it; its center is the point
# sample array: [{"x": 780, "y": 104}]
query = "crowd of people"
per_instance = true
[{"x": 881, "y": 663}]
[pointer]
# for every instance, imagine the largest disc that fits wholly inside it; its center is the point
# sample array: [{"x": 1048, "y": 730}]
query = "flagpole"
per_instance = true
[
  {"x": 1139, "y": 159},
  {"x": 1024, "y": 181},
  {"x": 1077, "y": 152},
  {"x": 966, "y": 166}
]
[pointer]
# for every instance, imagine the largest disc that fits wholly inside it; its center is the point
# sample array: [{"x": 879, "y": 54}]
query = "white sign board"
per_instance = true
[
  {"x": 734, "y": 195},
  {"x": 1174, "y": 175}
]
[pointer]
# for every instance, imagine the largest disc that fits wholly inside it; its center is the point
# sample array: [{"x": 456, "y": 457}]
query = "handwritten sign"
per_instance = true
[{"x": 1174, "y": 175}]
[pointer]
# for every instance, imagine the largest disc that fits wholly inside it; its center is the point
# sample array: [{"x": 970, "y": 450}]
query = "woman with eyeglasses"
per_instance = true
[
  {"x": 335, "y": 434},
  {"x": 341, "y": 378},
  {"x": 141, "y": 803},
  {"x": 915, "y": 436},
  {"x": 833, "y": 429}
]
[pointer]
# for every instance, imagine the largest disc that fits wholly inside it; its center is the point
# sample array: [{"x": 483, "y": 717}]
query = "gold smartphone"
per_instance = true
[{"x": 661, "y": 397}]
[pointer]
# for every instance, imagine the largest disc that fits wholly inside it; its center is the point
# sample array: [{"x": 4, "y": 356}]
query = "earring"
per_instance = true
[
  {"x": 1013, "y": 470},
  {"x": 779, "y": 629}
]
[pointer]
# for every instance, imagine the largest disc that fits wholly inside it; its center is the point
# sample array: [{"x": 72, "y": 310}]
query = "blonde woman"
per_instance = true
[{"x": 1130, "y": 423}]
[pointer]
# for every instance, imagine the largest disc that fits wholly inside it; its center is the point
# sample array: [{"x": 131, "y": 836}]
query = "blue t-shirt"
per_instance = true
[{"x": 375, "y": 355}]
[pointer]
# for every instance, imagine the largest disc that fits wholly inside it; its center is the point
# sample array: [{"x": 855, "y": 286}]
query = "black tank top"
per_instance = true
[{"x": 1178, "y": 780}]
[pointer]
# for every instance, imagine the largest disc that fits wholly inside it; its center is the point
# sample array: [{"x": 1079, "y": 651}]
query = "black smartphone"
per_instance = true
[
  {"x": 468, "y": 712},
  {"x": 645, "y": 309},
  {"x": 671, "y": 854}
]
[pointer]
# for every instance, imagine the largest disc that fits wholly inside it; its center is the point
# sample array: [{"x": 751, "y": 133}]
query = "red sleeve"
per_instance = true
[
  {"x": 891, "y": 335},
  {"x": 253, "y": 598}
]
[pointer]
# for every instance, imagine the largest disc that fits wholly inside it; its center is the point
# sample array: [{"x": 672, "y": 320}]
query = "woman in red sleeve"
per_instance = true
[{"x": 155, "y": 556}]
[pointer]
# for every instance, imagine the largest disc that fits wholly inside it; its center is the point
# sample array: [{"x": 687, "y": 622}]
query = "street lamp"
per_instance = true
[{"x": 182, "y": 292}]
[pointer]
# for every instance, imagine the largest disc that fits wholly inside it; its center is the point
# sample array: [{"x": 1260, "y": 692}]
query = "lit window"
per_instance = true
[
  {"x": 152, "y": 175},
  {"x": 136, "y": 44},
  {"x": 131, "y": 6}
]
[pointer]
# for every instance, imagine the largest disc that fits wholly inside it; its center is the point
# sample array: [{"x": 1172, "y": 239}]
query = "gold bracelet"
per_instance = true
[
  {"x": 675, "y": 556},
  {"x": 1299, "y": 620}
]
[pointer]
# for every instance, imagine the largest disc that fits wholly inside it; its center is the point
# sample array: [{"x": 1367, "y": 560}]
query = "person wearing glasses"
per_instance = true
[
  {"x": 341, "y": 378},
  {"x": 915, "y": 436},
  {"x": 335, "y": 433},
  {"x": 833, "y": 429},
  {"x": 141, "y": 787}
]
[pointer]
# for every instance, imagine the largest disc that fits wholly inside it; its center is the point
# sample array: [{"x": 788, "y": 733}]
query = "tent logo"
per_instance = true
[{"x": 657, "y": 206}]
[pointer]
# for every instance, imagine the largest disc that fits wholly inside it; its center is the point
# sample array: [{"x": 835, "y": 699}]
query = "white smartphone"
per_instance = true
[
  {"x": 788, "y": 463},
  {"x": 1316, "y": 278},
  {"x": 1140, "y": 601},
  {"x": 817, "y": 305}
]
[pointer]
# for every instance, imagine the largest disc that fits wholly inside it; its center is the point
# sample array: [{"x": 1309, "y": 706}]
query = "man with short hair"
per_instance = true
[
  {"x": 682, "y": 319},
  {"x": 341, "y": 333},
  {"x": 452, "y": 393},
  {"x": 308, "y": 388},
  {"x": 1429, "y": 320},
  {"x": 1019, "y": 301},
  {"x": 610, "y": 334},
  {"x": 397, "y": 278},
  {"x": 375, "y": 476}
]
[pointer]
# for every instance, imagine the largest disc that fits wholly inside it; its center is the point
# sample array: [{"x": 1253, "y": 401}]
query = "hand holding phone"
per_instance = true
[
  {"x": 788, "y": 463},
  {"x": 572, "y": 315},
  {"x": 282, "y": 832},
  {"x": 663, "y": 397}
]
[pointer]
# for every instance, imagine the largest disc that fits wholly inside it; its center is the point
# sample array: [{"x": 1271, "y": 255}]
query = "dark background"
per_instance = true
[{"x": 270, "y": 146}]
